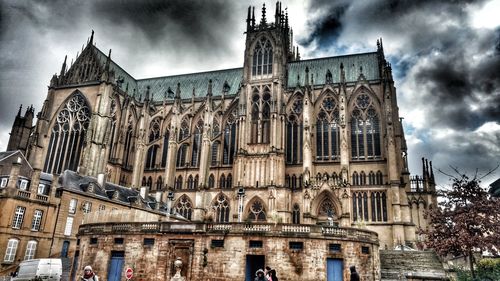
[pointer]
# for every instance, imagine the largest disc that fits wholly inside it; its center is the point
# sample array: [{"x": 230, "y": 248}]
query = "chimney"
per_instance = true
[
  {"x": 143, "y": 192},
  {"x": 100, "y": 179},
  {"x": 158, "y": 195}
]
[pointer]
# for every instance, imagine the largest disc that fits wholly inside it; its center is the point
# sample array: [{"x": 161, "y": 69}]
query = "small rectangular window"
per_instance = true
[
  {"x": 42, "y": 189},
  {"x": 119, "y": 240},
  {"x": 335, "y": 248},
  {"x": 17, "y": 221},
  {"x": 255, "y": 244},
  {"x": 365, "y": 250},
  {"x": 72, "y": 206},
  {"x": 23, "y": 184},
  {"x": 149, "y": 241},
  {"x": 87, "y": 207},
  {"x": 37, "y": 220},
  {"x": 93, "y": 240},
  {"x": 69, "y": 226},
  {"x": 217, "y": 243},
  {"x": 3, "y": 182},
  {"x": 78, "y": 242},
  {"x": 296, "y": 245},
  {"x": 102, "y": 207}
]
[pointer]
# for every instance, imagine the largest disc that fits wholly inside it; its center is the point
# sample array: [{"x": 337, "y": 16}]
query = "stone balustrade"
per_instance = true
[{"x": 270, "y": 229}]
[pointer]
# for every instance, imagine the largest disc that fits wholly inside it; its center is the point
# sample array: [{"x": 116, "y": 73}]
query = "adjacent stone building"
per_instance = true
[{"x": 279, "y": 142}]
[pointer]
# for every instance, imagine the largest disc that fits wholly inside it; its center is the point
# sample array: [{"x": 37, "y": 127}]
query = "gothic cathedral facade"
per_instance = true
[{"x": 283, "y": 140}]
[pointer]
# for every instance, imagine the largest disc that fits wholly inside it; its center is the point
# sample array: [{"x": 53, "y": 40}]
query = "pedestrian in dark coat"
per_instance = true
[
  {"x": 272, "y": 275},
  {"x": 354, "y": 274}
]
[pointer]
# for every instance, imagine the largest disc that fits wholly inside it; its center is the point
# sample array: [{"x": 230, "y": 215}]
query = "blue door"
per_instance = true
[
  {"x": 65, "y": 249},
  {"x": 116, "y": 266},
  {"x": 334, "y": 270}
]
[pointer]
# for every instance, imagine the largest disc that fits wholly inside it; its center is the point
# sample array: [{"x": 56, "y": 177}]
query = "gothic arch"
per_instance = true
[
  {"x": 256, "y": 209},
  {"x": 221, "y": 207},
  {"x": 326, "y": 91},
  {"x": 321, "y": 200},
  {"x": 184, "y": 206},
  {"x": 68, "y": 134}
]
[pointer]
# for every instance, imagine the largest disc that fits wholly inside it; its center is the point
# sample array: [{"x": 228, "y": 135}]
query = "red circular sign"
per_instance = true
[{"x": 129, "y": 273}]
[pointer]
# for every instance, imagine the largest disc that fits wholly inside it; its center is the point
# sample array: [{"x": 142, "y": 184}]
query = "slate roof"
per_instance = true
[
  {"x": 319, "y": 67},
  {"x": 72, "y": 181},
  {"x": 165, "y": 87}
]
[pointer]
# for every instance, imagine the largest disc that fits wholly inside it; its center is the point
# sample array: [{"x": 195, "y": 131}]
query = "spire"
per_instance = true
[
  {"x": 277, "y": 14},
  {"x": 147, "y": 93},
  {"x": 178, "y": 91},
  {"x": 63, "y": 68},
  {"x": 92, "y": 38},
  {"x": 263, "y": 21},
  {"x": 342, "y": 73},
  {"x": 249, "y": 18},
  {"x": 423, "y": 168},
  {"x": 432, "y": 172},
  {"x": 307, "y": 76},
  {"x": 209, "y": 92},
  {"x": 108, "y": 59},
  {"x": 253, "y": 17},
  {"x": 20, "y": 109}
]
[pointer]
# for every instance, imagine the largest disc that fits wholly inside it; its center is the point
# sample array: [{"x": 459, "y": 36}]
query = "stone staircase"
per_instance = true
[{"x": 410, "y": 265}]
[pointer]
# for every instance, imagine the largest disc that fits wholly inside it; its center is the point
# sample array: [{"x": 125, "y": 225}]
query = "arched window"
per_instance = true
[
  {"x": 360, "y": 206},
  {"x": 355, "y": 178},
  {"x": 365, "y": 129},
  {"x": 151, "y": 157},
  {"x": 371, "y": 178},
  {"x": 159, "y": 183},
  {"x": 262, "y": 58},
  {"x": 178, "y": 183},
  {"x": 257, "y": 211},
  {"x": 229, "y": 139},
  {"x": 196, "y": 181},
  {"x": 195, "y": 155},
  {"x": 211, "y": 181},
  {"x": 328, "y": 130},
  {"x": 181, "y": 156},
  {"x": 222, "y": 181},
  {"x": 144, "y": 181},
  {"x": 379, "y": 206},
  {"x": 154, "y": 129},
  {"x": 129, "y": 143},
  {"x": 190, "y": 182},
  {"x": 294, "y": 182},
  {"x": 229, "y": 181},
  {"x": 215, "y": 152},
  {"x": 380, "y": 178},
  {"x": 184, "y": 129},
  {"x": 150, "y": 183},
  {"x": 30, "y": 250},
  {"x": 294, "y": 132},
  {"x": 261, "y": 117},
  {"x": 10, "y": 251},
  {"x": 296, "y": 214},
  {"x": 287, "y": 181},
  {"x": 221, "y": 207},
  {"x": 362, "y": 178},
  {"x": 184, "y": 207},
  {"x": 67, "y": 137}
]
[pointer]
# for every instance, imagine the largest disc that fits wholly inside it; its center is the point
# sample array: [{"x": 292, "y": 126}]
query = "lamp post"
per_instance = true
[
  {"x": 241, "y": 195},
  {"x": 170, "y": 197}
]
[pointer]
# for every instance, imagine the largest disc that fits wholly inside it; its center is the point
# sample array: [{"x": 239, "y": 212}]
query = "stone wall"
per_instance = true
[{"x": 227, "y": 251}]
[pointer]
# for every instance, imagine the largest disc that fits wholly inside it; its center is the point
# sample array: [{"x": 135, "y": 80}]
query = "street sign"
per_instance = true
[{"x": 129, "y": 273}]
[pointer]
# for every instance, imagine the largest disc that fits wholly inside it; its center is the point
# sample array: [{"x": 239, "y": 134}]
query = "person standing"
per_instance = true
[
  {"x": 354, "y": 274},
  {"x": 272, "y": 275},
  {"x": 259, "y": 275},
  {"x": 89, "y": 274}
]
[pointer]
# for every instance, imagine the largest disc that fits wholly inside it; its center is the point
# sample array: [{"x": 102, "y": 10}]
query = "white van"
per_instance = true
[{"x": 38, "y": 270}]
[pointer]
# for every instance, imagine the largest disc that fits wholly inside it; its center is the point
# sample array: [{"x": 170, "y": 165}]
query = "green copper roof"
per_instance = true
[
  {"x": 319, "y": 67},
  {"x": 166, "y": 86}
]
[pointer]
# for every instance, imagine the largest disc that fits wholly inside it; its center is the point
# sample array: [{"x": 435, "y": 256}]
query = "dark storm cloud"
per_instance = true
[
  {"x": 328, "y": 29},
  {"x": 201, "y": 23}
]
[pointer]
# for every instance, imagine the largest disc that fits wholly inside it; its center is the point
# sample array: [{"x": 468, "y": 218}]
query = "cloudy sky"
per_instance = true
[{"x": 445, "y": 56}]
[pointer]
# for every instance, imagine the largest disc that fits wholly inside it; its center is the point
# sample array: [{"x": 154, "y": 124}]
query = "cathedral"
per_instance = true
[{"x": 279, "y": 141}]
